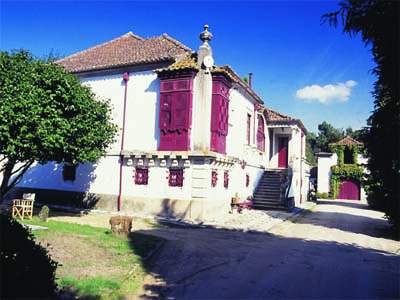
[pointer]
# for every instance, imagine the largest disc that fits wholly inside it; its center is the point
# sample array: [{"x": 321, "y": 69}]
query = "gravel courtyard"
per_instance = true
[{"x": 335, "y": 251}]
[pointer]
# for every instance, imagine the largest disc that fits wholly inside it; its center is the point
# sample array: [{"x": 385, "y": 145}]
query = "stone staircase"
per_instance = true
[{"x": 269, "y": 192}]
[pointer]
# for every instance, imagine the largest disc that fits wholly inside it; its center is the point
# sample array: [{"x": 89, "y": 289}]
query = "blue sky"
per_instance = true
[{"x": 300, "y": 67}]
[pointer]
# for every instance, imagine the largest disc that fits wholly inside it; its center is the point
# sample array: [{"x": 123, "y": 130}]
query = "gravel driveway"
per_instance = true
[{"x": 336, "y": 251}]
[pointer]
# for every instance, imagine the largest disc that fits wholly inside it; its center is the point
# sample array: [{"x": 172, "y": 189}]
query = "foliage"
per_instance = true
[
  {"x": 310, "y": 145},
  {"x": 27, "y": 270},
  {"x": 340, "y": 151},
  {"x": 340, "y": 172},
  {"x": 378, "y": 23},
  {"x": 46, "y": 114},
  {"x": 44, "y": 213},
  {"x": 322, "y": 195}
]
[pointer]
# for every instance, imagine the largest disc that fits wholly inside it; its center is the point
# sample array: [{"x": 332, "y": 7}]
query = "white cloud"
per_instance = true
[{"x": 328, "y": 93}]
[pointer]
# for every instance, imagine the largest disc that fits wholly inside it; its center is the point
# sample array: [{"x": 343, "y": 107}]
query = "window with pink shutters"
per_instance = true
[
  {"x": 219, "y": 114},
  {"x": 214, "y": 178},
  {"x": 226, "y": 179},
  {"x": 175, "y": 114},
  {"x": 141, "y": 176},
  {"x": 175, "y": 177},
  {"x": 260, "y": 134},
  {"x": 248, "y": 129}
]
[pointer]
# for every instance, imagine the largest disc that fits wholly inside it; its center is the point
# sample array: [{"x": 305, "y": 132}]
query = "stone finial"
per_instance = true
[{"x": 206, "y": 36}]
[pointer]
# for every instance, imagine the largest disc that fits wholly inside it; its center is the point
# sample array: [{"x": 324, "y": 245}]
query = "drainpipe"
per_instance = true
[{"x": 125, "y": 77}]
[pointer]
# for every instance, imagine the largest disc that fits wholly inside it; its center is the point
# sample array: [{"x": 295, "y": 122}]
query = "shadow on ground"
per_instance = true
[{"x": 222, "y": 264}]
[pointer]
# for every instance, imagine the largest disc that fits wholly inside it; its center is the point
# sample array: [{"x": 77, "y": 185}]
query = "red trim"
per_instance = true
[{"x": 125, "y": 77}]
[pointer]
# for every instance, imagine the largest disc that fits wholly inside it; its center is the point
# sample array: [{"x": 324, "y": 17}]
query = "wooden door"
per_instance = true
[
  {"x": 349, "y": 189},
  {"x": 283, "y": 152}
]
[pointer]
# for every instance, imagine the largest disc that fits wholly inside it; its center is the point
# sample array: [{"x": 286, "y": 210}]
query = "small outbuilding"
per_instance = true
[{"x": 340, "y": 172}]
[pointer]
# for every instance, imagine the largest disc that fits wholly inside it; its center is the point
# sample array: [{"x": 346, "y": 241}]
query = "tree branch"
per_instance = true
[
  {"x": 18, "y": 178},
  {"x": 20, "y": 168}
]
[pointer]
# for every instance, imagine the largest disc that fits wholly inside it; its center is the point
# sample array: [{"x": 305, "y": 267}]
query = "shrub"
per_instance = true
[
  {"x": 44, "y": 213},
  {"x": 27, "y": 271},
  {"x": 322, "y": 195}
]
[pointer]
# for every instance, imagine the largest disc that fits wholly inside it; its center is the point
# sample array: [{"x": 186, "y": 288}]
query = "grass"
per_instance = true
[{"x": 93, "y": 261}]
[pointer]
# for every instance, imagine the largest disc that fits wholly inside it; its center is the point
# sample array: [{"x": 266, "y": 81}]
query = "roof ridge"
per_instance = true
[
  {"x": 176, "y": 42},
  {"x": 128, "y": 34}
]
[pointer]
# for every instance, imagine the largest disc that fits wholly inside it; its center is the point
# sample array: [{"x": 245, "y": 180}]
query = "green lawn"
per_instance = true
[{"x": 93, "y": 261}]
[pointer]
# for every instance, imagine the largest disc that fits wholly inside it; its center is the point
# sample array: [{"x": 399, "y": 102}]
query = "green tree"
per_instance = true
[
  {"x": 378, "y": 22},
  {"x": 46, "y": 114},
  {"x": 327, "y": 134},
  {"x": 311, "y": 140}
]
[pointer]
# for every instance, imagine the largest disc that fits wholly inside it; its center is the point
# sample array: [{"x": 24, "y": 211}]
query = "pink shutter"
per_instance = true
[
  {"x": 248, "y": 129},
  {"x": 175, "y": 117},
  {"x": 219, "y": 114},
  {"x": 260, "y": 134}
]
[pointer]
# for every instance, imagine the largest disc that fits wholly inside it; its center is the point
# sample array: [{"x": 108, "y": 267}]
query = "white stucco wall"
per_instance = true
[
  {"x": 100, "y": 177},
  {"x": 324, "y": 172},
  {"x": 142, "y": 105},
  {"x": 241, "y": 105}
]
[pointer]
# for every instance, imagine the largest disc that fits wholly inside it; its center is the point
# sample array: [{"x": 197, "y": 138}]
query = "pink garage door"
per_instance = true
[{"x": 349, "y": 189}]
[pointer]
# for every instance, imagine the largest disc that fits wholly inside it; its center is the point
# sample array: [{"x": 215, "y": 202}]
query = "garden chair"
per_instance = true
[{"x": 23, "y": 207}]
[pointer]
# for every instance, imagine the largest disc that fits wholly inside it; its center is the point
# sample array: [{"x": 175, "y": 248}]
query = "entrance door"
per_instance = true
[
  {"x": 283, "y": 152},
  {"x": 349, "y": 190}
]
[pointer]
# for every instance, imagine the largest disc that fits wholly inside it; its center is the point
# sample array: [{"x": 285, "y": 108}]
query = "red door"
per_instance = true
[
  {"x": 283, "y": 152},
  {"x": 349, "y": 190}
]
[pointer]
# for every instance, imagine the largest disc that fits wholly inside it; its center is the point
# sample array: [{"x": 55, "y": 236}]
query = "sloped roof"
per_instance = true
[
  {"x": 128, "y": 49},
  {"x": 276, "y": 118},
  {"x": 347, "y": 141}
]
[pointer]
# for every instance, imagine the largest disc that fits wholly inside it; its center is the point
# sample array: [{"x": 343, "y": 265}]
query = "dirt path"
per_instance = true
[{"x": 336, "y": 251}]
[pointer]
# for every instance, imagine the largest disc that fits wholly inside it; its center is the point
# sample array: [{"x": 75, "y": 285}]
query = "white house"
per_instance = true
[
  {"x": 192, "y": 135},
  {"x": 347, "y": 166}
]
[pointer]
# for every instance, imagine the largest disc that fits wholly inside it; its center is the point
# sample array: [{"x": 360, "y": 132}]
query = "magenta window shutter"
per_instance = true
[
  {"x": 248, "y": 129},
  {"x": 260, "y": 134},
  {"x": 219, "y": 115},
  {"x": 175, "y": 114},
  {"x": 175, "y": 177},
  {"x": 141, "y": 176},
  {"x": 226, "y": 179}
]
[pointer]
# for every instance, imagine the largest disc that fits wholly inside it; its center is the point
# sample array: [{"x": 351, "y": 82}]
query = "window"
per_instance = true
[
  {"x": 248, "y": 129},
  {"x": 69, "y": 172},
  {"x": 141, "y": 176},
  {"x": 226, "y": 179},
  {"x": 247, "y": 180},
  {"x": 348, "y": 156},
  {"x": 260, "y": 134},
  {"x": 175, "y": 177},
  {"x": 175, "y": 117},
  {"x": 214, "y": 178},
  {"x": 219, "y": 114}
]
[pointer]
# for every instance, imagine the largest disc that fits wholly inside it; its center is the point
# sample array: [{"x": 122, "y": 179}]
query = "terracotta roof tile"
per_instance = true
[
  {"x": 347, "y": 141},
  {"x": 236, "y": 78},
  {"x": 188, "y": 62},
  {"x": 274, "y": 117},
  {"x": 128, "y": 49}
]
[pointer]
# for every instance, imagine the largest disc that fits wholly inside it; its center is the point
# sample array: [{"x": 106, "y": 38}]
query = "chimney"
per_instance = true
[{"x": 250, "y": 79}]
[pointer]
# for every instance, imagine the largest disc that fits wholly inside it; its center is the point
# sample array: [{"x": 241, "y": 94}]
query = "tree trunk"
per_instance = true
[{"x": 7, "y": 172}]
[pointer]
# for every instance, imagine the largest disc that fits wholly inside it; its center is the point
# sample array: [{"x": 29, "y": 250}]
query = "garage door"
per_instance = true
[{"x": 349, "y": 189}]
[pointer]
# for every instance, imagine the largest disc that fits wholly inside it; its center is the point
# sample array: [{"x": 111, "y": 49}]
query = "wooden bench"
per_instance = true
[{"x": 23, "y": 207}]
